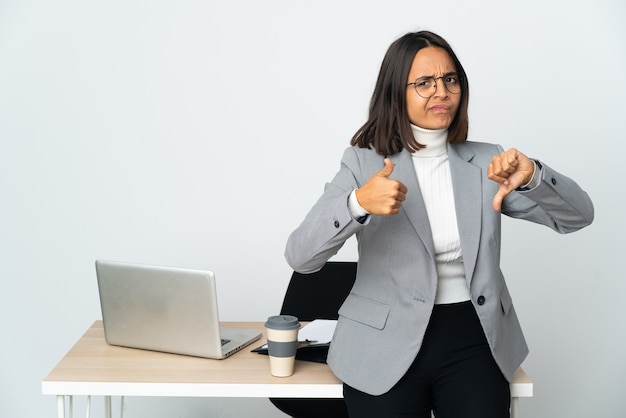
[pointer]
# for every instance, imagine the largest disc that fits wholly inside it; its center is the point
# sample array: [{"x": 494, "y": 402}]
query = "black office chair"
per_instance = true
[{"x": 317, "y": 296}]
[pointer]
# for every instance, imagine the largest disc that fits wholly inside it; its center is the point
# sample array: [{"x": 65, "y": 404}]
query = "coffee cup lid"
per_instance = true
[{"x": 282, "y": 322}]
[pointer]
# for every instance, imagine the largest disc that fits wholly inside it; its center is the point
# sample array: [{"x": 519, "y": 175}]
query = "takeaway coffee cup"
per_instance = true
[{"x": 282, "y": 343}]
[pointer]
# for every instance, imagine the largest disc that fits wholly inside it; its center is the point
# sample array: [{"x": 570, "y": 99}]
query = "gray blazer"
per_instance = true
[{"x": 382, "y": 322}]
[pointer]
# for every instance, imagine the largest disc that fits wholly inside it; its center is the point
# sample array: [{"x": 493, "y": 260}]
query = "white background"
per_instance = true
[{"x": 199, "y": 133}]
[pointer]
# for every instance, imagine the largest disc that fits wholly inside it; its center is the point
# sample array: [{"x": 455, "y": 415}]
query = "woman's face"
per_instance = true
[{"x": 437, "y": 111}]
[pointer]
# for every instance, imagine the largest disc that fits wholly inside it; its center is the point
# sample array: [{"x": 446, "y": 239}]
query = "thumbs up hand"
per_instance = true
[{"x": 381, "y": 195}]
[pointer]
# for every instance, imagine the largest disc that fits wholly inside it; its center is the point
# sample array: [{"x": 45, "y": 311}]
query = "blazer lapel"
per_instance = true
[
  {"x": 467, "y": 189},
  {"x": 404, "y": 171}
]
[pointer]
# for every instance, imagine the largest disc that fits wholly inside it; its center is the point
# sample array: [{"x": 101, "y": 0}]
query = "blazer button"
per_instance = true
[
  {"x": 481, "y": 300},
  {"x": 336, "y": 223},
  {"x": 553, "y": 181}
]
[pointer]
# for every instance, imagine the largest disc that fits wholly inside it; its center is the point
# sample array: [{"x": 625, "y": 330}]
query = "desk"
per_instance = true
[{"x": 94, "y": 368}]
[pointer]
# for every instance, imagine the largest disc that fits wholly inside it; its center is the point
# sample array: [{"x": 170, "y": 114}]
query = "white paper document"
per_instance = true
[
  {"x": 316, "y": 332},
  {"x": 319, "y": 331}
]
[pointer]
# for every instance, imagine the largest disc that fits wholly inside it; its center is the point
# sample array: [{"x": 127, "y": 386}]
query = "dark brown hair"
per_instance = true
[{"x": 388, "y": 128}]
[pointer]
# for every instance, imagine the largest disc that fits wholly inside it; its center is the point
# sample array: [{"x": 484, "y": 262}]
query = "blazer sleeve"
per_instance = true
[
  {"x": 329, "y": 223},
  {"x": 558, "y": 202}
]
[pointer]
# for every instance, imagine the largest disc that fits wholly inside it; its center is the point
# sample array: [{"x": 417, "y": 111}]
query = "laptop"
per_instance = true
[{"x": 166, "y": 309}]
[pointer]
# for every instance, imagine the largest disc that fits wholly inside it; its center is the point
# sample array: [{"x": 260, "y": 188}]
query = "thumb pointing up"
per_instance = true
[
  {"x": 381, "y": 195},
  {"x": 387, "y": 169}
]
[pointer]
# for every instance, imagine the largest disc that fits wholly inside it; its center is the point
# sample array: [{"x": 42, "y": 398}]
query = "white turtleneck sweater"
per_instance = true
[{"x": 433, "y": 174}]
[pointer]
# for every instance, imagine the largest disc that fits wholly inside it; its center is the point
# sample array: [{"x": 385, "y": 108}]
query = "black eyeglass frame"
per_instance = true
[{"x": 434, "y": 79}]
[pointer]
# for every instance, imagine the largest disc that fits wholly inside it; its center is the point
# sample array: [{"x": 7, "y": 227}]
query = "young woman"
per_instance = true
[{"x": 429, "y": 324}]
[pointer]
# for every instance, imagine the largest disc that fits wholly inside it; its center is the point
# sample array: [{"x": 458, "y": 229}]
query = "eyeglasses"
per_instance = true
[{"x": 426, "y": 87}]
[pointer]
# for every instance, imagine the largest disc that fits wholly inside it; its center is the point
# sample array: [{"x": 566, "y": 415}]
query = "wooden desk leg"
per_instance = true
[
  {"x": 515, "y": 407},
  {"x": 60, "y": 406}
]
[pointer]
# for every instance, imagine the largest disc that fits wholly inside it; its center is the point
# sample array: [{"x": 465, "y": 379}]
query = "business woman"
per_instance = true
[{"x": 429, "y": 324}]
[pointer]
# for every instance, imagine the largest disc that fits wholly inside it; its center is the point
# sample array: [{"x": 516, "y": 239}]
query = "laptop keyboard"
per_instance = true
[{"x": 224, "y": 341}]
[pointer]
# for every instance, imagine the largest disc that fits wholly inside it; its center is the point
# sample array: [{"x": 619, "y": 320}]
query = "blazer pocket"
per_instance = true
[
  {"x": 505, "y": 300},
  {"x": 365, "y": 311}
]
